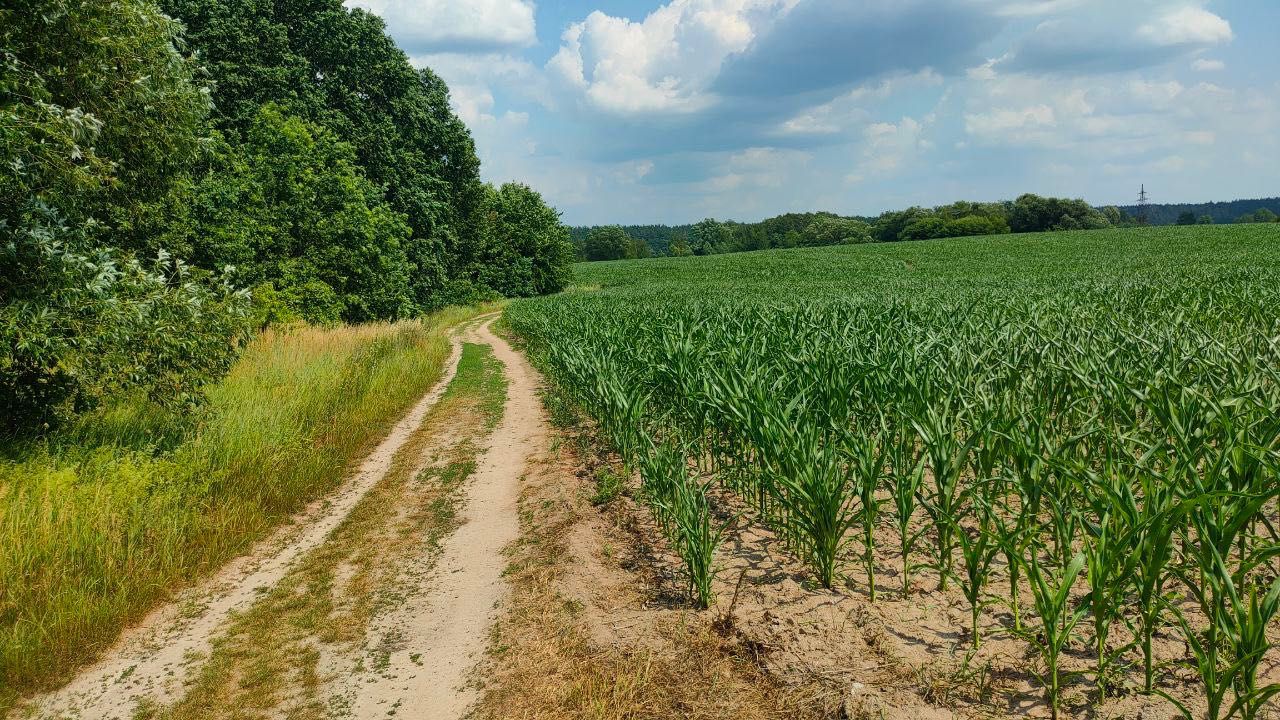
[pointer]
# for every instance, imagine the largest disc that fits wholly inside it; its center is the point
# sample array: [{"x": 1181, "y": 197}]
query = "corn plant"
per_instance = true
[
  {"x": 947, "y": 455},
  {"x": 1229, "y": 649},
  {"x": 905, "y": 478},
  {"x": 979, "y": 545},
  {"x": 1109, "y": 516},
  {"x": 816, "y": 491},
  {"x": 1057, "y": 619},
  {"x": 867, "y": 460},
  {"x": 681, "y": 506},
  {"x": 1158, "y": 518}
]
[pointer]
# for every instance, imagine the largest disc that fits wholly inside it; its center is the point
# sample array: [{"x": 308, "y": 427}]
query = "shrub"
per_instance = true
[{"x": 78, "y": 326}]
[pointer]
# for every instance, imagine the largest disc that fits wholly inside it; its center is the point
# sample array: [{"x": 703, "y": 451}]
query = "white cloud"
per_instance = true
[
  {"x": 1001, "y": 122},
  {"x": 429, "y": 25},
  {"x": 755, "y": 168},
  {"x": 1102, "y": 36},
  {"x": 632, "y": 172},
  {"x": 888, "y": 146},
  {"x": 853, "y": 108},
  {"x": 664, "y": 63},
  {"x": 1155, "y": 95},
  {"x": 1208, "y": 65},
  {"x": 1187, "y": 25},
  {"x": 1105, "y": 132},
  {"x": 477, "y": 74}
]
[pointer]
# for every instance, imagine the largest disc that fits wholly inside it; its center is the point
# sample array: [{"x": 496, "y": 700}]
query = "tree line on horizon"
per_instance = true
[
  {"x": 1028, "y": 213},
  {"x": 177, "y": 173}
]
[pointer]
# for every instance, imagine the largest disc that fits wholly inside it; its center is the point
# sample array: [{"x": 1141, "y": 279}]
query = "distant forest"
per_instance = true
[
  {"x": 1029, "y": 213},
  {"x": 1221, "y": 212}
]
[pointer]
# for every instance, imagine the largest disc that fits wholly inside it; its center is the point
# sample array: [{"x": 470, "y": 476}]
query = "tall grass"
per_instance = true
[{"x": 100, "y": 523}]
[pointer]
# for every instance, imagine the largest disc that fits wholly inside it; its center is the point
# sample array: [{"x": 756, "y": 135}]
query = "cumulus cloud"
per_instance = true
[
  {"x": 821, "y": 45},
  {"x": 1129, "y": 123},
  {"x": 889, "y": 145},
  {"x": 664, "y": 63},
  {"x": 1101, "y": 36},
  {"x": 760, "y": 56},
  {"x": 746, "y": 108},
  {"x": 1006, "y": 122},
  {"x": 853, "y": 108},
  {"x": 1186, "y": 26},
  {"x": 422, "y": 26}
]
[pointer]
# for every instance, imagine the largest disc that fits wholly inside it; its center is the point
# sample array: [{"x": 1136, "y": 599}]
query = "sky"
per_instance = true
[{"x": 632, "y": 112}]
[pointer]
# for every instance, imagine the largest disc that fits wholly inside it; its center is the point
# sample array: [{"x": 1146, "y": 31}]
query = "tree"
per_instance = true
[
  {"x": 338, "y": 69},
  {"x": 528, "y": 250},
  {"x": 1186, "y": 217},
  {"x": 1115, "y": 216},
  {"x": 889, "y": 226},
  {"x": 709, "y": 237},
  {"x": 977, "y": 225},
  {"x": 640, "y": 249},
  {"x": 290, "y": 207},
  {"x": 680, "y": 246},
  {"x": 113, "y": 149},
  {"x": 1204, "y": 220},
  {"x": 925, "y": 228},
  {"x": 610, "y": 242},
  {"x": 831, "y": 230},
  {"x": 748, "y": 237},
  {"x": 94, "y": 170},
  {"x": 1033, "y": 213}
]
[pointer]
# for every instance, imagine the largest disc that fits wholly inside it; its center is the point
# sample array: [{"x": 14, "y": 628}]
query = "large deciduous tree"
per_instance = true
[
  {"x": 1033, "y": 213},
  {"x": 610, "y": 242},
  {"x": 337, "y": 68},
  {"x": 525, "y": 249},
  {"x": 288, "y": 206},
  {"x": 100, "y": 125}
]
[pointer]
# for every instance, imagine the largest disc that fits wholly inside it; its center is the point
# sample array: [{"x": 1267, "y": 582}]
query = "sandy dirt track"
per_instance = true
[
  {"x": 153, "y": 660},
  {"x": 445, "y": 628}
]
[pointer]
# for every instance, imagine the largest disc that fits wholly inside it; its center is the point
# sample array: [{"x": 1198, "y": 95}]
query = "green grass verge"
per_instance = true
[
  {"x": 269, "y": 657},
  {"x": 103, "y": 521}
]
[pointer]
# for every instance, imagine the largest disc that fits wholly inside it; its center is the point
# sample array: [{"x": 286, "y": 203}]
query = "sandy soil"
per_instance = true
[
  {"x": 432, "y": 640},
  {"x": 807, "y": 652},
  {"x": 153, "y": 660}
]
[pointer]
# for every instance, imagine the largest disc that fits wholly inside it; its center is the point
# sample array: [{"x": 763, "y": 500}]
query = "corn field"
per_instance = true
[{"x": 1091, "y": 418}]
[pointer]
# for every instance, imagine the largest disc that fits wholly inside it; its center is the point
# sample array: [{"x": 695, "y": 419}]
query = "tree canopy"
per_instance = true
[
  {"x": 609, "y": 242},
  {"x": 166, "y": 165}
]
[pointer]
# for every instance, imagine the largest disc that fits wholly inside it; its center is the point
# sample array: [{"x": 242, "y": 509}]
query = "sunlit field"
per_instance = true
[{"x": 1091, "y": 419}]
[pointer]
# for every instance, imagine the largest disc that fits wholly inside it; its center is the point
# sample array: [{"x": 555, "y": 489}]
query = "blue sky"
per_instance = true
[{"x": 630, "y": 111}]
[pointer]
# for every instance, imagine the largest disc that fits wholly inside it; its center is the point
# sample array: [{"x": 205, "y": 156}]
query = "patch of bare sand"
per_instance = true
[
  {"x": 151, "y": 661},
  {"x": 426, "y": 645},
  {"x": 793, "y": 649},
  {"x": 584, "y": 635}
]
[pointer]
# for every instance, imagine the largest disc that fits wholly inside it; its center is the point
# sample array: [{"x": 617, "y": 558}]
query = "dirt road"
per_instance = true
[{"x": 377, "y": 599}]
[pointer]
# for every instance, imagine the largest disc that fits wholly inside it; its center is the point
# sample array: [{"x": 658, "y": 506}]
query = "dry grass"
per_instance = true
[
  {"x": 270, "y": 657},
  {"x": 107, "y": 519},
  {"x": 544, "y": 661}
]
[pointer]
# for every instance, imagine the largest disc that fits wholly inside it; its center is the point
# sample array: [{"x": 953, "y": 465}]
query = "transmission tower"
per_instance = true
[{"x": 1144, "y": 202}]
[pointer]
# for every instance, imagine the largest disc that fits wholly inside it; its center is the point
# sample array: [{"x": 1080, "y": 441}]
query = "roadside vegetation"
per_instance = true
[
  {"x": 107, "y": 516},
  {"x": 171, "y": 183},
  {"x": 196, "y": 197},
  {"x": 1088, "y": 418}
]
